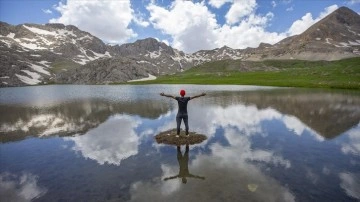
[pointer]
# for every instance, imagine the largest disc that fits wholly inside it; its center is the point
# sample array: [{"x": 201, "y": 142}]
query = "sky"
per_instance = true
[{"x": 189, "y": 26}]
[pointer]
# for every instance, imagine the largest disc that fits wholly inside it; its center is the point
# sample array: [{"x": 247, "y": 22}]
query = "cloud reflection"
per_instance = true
[
  {"x": 111, "y": 142},
  {"x": 350, "y": 182},
  {"x": 20, "y": 188},
  {"x": 229, "y": 169},
  {"x": 228, "y": 176},
  {"x": 353, "y": 145},
  {"x": 249, "y": 119}
]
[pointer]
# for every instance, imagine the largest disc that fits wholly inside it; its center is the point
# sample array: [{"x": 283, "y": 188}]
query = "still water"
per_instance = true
[{"x": 96, "y": 143}]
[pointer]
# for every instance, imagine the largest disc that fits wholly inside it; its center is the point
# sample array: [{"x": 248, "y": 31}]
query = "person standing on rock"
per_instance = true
[{"x": 182, "y": 109}]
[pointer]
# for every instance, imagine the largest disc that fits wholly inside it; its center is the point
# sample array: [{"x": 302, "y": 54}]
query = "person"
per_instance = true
[
  {"x": 182, "y": 109},
  {"x": 183, "y": 161}
]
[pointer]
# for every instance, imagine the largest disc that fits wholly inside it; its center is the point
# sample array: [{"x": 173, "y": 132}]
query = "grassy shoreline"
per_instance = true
[{"x": 341, "y": 74}]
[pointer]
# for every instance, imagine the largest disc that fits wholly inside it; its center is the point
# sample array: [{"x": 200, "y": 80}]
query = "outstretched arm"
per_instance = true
[
  {"x": 170, "y": 96},
  {"x": 196, "y": 96},
  {"x": 170, "y": 178},
  {"x": 196, "y": 176}
]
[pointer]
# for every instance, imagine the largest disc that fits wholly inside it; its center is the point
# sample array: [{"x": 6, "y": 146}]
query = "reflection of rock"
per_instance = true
[
  {"x": 19, "y": 188},
  {"x": 111, "y": 142},
  {"x": 170, "y": 137},
  {"x": 68, "y": 118}
]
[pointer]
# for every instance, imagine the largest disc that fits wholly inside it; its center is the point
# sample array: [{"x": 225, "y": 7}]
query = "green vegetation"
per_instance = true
[
  {"x": 291, "y": 73},
  {"x": 59, "y": 66}
]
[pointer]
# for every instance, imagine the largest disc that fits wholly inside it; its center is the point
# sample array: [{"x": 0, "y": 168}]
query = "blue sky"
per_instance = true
[{"x": 186, "y": 25}]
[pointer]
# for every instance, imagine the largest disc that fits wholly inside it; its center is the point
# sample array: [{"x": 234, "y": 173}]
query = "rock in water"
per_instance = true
[{"x": 170, "y": 137}]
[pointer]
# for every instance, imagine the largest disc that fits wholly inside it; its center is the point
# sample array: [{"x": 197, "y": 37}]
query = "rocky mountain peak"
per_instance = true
[
  {"x": 143, "y": 46},
  {"x": 344, "y": 15},
  {"x": 342, "y": 21},
  {"x": 264, "y": 45}
]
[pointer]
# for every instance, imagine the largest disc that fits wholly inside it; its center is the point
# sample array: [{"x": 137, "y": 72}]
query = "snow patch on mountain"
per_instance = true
[
  {"x": 45, "y": 63},
  {"x": 150, "y": 77},
  {"x": 33, "y": 78},
  {"x": 154, "y": 54},
  {"x": 85, "y": 58},
  {"x": 39, "y": 69},
  {"x": 40, "y": 31},
  {"x": 63, "y": 32},
  {"x": 11, "y": 35}
]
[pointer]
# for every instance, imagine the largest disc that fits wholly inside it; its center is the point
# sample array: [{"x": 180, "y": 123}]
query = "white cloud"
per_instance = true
[
  {"x": 166, "y": 42},
  {"x": 290, "y": 8},
  {"x": 46, "y": 11},
  {"x": 240, "y": 9},
  {"x": 218, "y": 3},
  {"x": 139, "y": 19},
  {"x": 273, "y": 4},
  {"x": 300, "y": 26},
  {"x": 327, "y": 11},
  {"x": 353, "y": 145},
  {"x": 20, "y": 188},
  {"x": 307, "y": 20},
  {"x": 193, "y": 27},
  {"x": 286, "y": 1},
  {"x": 350, "y": 182},
  {"x": 352, "y": 2},
  {"x": 108, "y": 20},
  {"x": 249, "y": 33}
]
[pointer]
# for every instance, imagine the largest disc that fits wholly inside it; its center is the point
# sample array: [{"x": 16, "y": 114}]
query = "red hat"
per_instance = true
[{"x": 182, "y": 93}]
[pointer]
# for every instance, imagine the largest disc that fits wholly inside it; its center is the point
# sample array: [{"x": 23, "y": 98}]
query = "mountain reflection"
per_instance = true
[
  {"x": 326, "y": 114},
  {"x": 329, "y": 114},
  {"x": 69, "y": 118}
]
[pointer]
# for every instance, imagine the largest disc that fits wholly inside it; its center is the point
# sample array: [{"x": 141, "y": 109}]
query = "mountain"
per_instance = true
[
  {"x": 144, "y": 58},
  {"x": 38, "y": 54},
  {"x": 33, "y": 54},
  {"x": 54, "y": 53},
  {"x": 334, "y": 37}
]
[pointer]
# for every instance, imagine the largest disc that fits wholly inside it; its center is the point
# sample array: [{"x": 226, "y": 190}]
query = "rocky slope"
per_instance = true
[
  {"x": 33, "y": 54},
  {"x": 335, "y": 37}
]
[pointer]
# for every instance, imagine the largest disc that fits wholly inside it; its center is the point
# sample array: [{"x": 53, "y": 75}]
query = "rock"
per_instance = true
[{"x": 171, "y": 138}]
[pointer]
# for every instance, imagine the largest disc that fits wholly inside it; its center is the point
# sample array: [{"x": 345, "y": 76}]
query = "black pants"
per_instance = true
[{"x": 178, "y": 123}]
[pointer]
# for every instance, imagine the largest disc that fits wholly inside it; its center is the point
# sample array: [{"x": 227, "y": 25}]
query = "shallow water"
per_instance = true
[{"x": 96, "y": 143}]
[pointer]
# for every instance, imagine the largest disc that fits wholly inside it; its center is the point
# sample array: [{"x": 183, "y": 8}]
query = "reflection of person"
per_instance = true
[
  {"x": 182, "y": 111},
  {"x": 183, "y": 166}
]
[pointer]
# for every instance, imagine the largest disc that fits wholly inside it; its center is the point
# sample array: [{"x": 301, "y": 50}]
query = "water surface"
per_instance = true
[{"x": 96, "y": 143}]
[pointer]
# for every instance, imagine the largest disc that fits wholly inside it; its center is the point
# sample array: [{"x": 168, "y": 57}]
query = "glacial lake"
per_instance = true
[{"x": 96, "y": 143}]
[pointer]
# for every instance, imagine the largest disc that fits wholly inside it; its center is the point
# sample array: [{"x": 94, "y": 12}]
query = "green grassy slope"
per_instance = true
[{"x": 295, "y": 73}]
